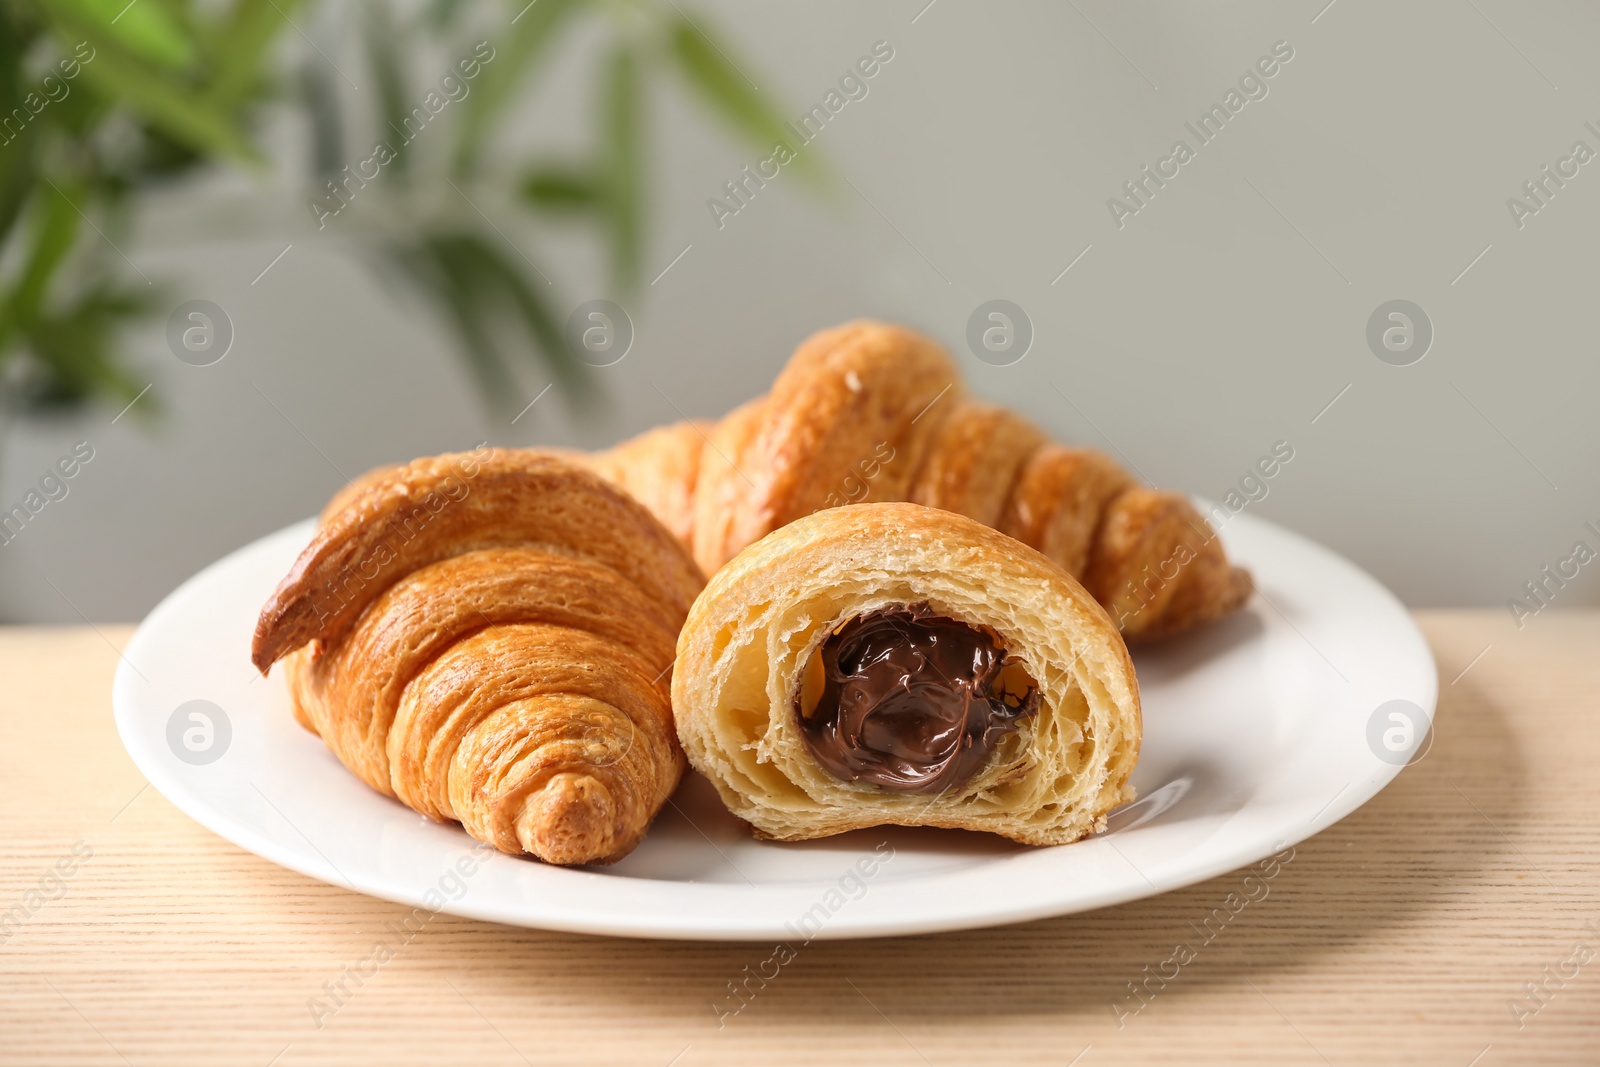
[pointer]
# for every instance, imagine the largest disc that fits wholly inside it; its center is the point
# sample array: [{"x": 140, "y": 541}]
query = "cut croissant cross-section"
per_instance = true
[{"x": 894, "y": 664}]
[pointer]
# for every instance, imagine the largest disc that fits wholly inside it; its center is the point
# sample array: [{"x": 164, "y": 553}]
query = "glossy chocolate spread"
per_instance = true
[{"x": 910, "y": 701}]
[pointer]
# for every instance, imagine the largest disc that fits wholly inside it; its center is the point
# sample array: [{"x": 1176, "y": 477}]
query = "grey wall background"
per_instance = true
[{"x": 1223, "y": 317}]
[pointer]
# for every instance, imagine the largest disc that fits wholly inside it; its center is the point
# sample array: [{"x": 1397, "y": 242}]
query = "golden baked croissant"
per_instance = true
[
  {"x": 658, "y": 468},
  {"x": 896, "y": 664},
  {"x": 870, "y": 412},
  {"x": 488, "y": 637}
]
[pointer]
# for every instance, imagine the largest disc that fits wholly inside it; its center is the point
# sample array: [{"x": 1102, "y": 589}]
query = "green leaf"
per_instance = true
[
  {"x": 235, "y": 48},
  {"x": 472, "y": 313},
  {"x": 320, "y": 94},
  {"x": 441, "y": 14},
  {"x": 384, "y": 54},
  {"x": 18, "y": 148},
  {"x": 479, "y": 288},
  {"x": 537, "y": 317},
  {"x": 74, "y": 355},
  {"x": 144, "y": 27},
  {"x": 54, "y": 231},
  {"x": 624, "y": 167},
  {"x": 705, "y": 64},
  {"x": 172, "y": 108},
  {"x": 562, "y": 190},
  {"x": 502, "y": 72}
]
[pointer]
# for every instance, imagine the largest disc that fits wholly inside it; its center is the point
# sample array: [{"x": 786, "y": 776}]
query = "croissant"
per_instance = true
[
  {"x": 868, "y": 412},
  {"x": 488, "y": 637},
  {"x": 659, "y": 469},
  {"x": 890, "y": 663}
]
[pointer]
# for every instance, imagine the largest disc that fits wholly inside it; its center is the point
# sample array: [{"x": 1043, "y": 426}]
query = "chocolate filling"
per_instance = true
[{"x": 910, "y": 701}]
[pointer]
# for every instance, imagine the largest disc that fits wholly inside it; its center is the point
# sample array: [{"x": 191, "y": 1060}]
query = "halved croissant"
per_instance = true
[
  {"x": 489, "y": 637},
  {"x": 870, "y": 412},
  {"x": 994, "y": 695}
]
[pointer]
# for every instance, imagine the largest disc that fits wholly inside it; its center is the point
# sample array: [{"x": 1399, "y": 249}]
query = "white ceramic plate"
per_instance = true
[{"x": 1259, "y": 731}]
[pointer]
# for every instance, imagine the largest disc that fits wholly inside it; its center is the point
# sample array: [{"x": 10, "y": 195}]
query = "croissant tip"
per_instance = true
[
  {"x": 266, "y": 643},
  {"x": 262, "y": 654},
  {"x": 1241, "y": 586},
  {"x": 572, "y": 821}
]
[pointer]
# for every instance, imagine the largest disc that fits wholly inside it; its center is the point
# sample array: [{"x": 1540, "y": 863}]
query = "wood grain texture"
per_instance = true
[{"x": 1397, "y": 935}]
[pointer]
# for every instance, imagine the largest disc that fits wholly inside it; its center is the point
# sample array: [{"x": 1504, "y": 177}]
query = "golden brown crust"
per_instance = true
[
  {"x": 506, "y": 665},
  {"x": 1158, "y": 567},
  {"x": 659, "y": 469},
  {"x": 722, "y": 489},
  {"x": 847, "y": 396},
  {"x": 538, "y": 739},
  {"x": 441, "y": 506},
  {"x": 1057, "y": 503},
  {"x": 869, "y": 412},
  {"x": 972, "y": 463},
  {"x": 361, "y": 678},
  {"x": 354, "y": 488},
  {"x": 760, "y": 619}
]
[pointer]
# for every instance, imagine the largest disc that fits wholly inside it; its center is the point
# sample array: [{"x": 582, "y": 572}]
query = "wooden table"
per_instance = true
[{"x": 1407, "y": 932}]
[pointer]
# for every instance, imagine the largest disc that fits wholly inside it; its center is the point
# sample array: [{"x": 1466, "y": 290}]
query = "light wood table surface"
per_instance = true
[{"x": 1402, "y": 934}]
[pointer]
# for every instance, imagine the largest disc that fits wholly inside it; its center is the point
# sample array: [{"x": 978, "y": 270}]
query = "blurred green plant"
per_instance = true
[{"x": 102, "y": 101}]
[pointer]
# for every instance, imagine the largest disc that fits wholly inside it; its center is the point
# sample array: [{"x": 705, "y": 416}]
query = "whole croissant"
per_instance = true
[
  {"x": 488, "y": 637},
  {"x": 871, "y": 412}
]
